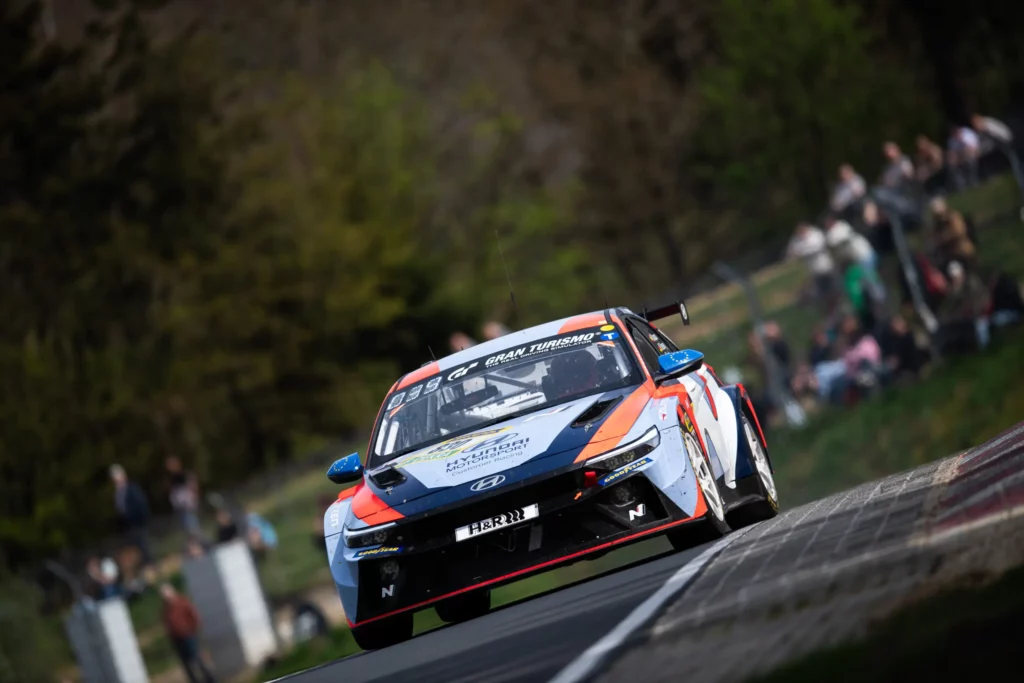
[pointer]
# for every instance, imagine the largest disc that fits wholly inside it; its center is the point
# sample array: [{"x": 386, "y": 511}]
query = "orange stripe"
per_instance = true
[
  {"x": 348, "y": 493},
  {"x": 416, "y": 375},
  {"x": 582, "y": 322},
  {"x": 618, "y": 423},
  {"x": 371, "y": 509},
  {"x": 632, "y": 344}
]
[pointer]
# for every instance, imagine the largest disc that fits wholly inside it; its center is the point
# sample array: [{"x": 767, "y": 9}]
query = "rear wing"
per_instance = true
[{"x": 678, "y": 308}]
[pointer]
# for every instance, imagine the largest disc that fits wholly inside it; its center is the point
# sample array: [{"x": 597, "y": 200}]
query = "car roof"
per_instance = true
[{"x": 513, "y": 339}]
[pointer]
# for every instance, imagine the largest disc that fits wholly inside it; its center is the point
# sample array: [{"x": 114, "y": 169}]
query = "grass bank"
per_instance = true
[{"x": 953, "y": 636}]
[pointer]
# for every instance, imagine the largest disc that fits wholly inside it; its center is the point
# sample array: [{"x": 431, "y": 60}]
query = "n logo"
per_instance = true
[
  {"x": 640, "y": 511},
  {"x": 387, "y": 592}
]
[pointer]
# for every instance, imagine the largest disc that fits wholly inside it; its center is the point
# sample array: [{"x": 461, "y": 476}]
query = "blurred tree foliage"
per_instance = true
[
  {"x": 28, "y": 645},
  {"x": 207, "y": 271}
]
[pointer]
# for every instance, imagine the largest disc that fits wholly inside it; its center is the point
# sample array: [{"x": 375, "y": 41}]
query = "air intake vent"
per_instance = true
[
  {"x": 596, "y": 411},
  {"x": 386, "y": 477}
]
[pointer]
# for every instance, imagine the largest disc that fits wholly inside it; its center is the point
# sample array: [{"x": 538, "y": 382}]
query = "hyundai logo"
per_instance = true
[{"x": 488, "y": 483}]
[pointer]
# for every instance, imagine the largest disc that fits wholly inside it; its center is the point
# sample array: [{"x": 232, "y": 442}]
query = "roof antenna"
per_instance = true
[
  {"x": 432, "y": 356},
  {"x": 511, "y": 293}
]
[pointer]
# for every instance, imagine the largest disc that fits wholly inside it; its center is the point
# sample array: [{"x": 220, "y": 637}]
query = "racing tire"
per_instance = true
[
  {"x": 464, "y": 607},
  {"x": 768, "y": 506},
  {"x": 713, "y": 525},
  {"x": 380, "y": 634}
]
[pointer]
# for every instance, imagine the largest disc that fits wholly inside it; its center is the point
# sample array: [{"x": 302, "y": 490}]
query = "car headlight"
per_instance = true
[
  {"x": 374, "y": 535},
  {"x": 623, "y": 455}
]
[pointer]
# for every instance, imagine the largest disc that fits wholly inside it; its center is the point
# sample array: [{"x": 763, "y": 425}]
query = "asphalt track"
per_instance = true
[{"x": 815, "y": 575}]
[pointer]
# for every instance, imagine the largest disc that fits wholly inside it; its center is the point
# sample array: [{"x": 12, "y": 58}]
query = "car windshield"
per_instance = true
[{"x": 494, "y": 388}]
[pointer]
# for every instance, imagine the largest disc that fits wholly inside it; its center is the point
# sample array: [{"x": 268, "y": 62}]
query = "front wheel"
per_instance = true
[
  {"x": 713, "y": 526},
  {"x": 384, "y": 632},
  {"x": 464, "y": 607}
]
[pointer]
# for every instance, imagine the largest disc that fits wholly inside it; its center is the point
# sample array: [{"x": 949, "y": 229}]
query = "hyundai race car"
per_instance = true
[{"x": 542, "y": 447}]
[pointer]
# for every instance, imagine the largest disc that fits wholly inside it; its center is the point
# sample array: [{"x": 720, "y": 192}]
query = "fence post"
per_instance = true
[
  {"x": 907, "y": 266},
  {"x": 795, "y": 415}
]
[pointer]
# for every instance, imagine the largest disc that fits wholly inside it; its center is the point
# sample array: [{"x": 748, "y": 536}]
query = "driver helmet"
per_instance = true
[{"x": 573, "y": 372}]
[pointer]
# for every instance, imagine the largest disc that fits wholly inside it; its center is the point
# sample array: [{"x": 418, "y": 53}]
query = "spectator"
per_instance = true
[
  {"x": 260, "y": 535},
  {"x": 181, "y": 622},
  {"x": 950, "y": 236},
  {"x": 992, "y": 130},
  {"x": 995, "y": 134},
  {"x": 962, "y": 152},
  {"x": 1007, "y": 302},
  {"x": 898, "y": 170},
  {"x": 823, "y": 374},
  {"x": 877, "y": 228},
  {"x": 184, "y": 488},
  {"x": 963, "y": 313},
  {"x": 227, "y": 528},
  {"x": 849, "y": 245},
  {"x": 862, "y": 357},
  {"x": 494, "y": 329},
  {"x": 196, "y": 547},
  {"x": 850, "y": 189},
  {"x": 103, "y": 575},
  {"x": 928, "y": 161},
  {"x": 133, "y": 514},
  {"x": 779, "y": 350},
  {"x": 808, "y": 243},
  {"x": 459, "y": 341},
  {"x": 865, "y": 291},
  {"x": 902, "y": 356}
]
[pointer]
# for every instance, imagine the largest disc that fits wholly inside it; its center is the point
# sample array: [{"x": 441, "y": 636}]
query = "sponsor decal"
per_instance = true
[
  {"x": 492, "y": 450},
  {"x": 379, "y": 552},
  {"x": 624, "y": 471},
  {"x": 607, "y": 328},
  {"x": 388, "y": 591},
  {"x": 686, "y": 422},
  {"x": 609, "y": 336},
  {"x": 528, "y": 350},
  {"x": 450, "y": 448},
  {"x": 640, "y": 511},
  {"x": 488, "y": 483},
  {"x": 334, "y": 515},
  {"x": 500, "y": 521}
]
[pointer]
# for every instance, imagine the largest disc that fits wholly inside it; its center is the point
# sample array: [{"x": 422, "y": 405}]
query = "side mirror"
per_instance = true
[
  {"x": 680, "y": 362},
  {"x": 345, "y": 470}
]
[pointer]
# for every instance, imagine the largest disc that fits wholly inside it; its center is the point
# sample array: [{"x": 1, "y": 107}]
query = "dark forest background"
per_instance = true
[{"x": 226, "y": 227}]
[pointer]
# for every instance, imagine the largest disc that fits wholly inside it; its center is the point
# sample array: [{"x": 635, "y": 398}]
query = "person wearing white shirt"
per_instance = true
[
  {"x": 849, "y": 245},
  {"x": 962, "y": 150},
  {"x": 899, "y": 169},
  {"x": 850, "y": 189},
  {"x": 992, "y": 128},
  {"x": 808, "y": 244}
]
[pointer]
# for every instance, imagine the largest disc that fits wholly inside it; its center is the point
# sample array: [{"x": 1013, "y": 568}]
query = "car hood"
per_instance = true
[{"x": 520, "y": 448}]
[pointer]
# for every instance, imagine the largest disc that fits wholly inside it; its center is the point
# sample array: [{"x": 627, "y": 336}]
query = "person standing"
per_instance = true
[
  {"x": 808, "y": 244},
  {"x": 181, "y": 621},
  {"x": 184, "y": 494},
  {"x": 133, "y": 513}
]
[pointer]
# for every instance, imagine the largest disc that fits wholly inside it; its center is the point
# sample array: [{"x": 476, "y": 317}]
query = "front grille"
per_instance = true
[
  {"x": 400, "y": 581},
  {"x": 439, "y": 528}
]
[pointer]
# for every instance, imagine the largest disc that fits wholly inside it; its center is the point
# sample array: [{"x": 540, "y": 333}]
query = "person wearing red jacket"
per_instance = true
[{"x": 182, "y": 624}]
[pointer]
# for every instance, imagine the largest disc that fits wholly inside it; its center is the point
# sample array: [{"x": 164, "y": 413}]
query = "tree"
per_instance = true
[{"x": 798, "y": 89}]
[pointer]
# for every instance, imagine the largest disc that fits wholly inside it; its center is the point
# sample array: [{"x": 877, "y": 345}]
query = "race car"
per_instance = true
[{"x": 542, "y": 447}]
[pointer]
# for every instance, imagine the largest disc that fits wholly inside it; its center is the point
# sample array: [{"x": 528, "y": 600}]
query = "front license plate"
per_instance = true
[{"x": 499, "y": 521}]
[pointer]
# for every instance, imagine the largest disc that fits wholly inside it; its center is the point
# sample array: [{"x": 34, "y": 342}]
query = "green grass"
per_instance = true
[
  {"x": 954, "y": 636},
  {"x": 964, "y": 402}
]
